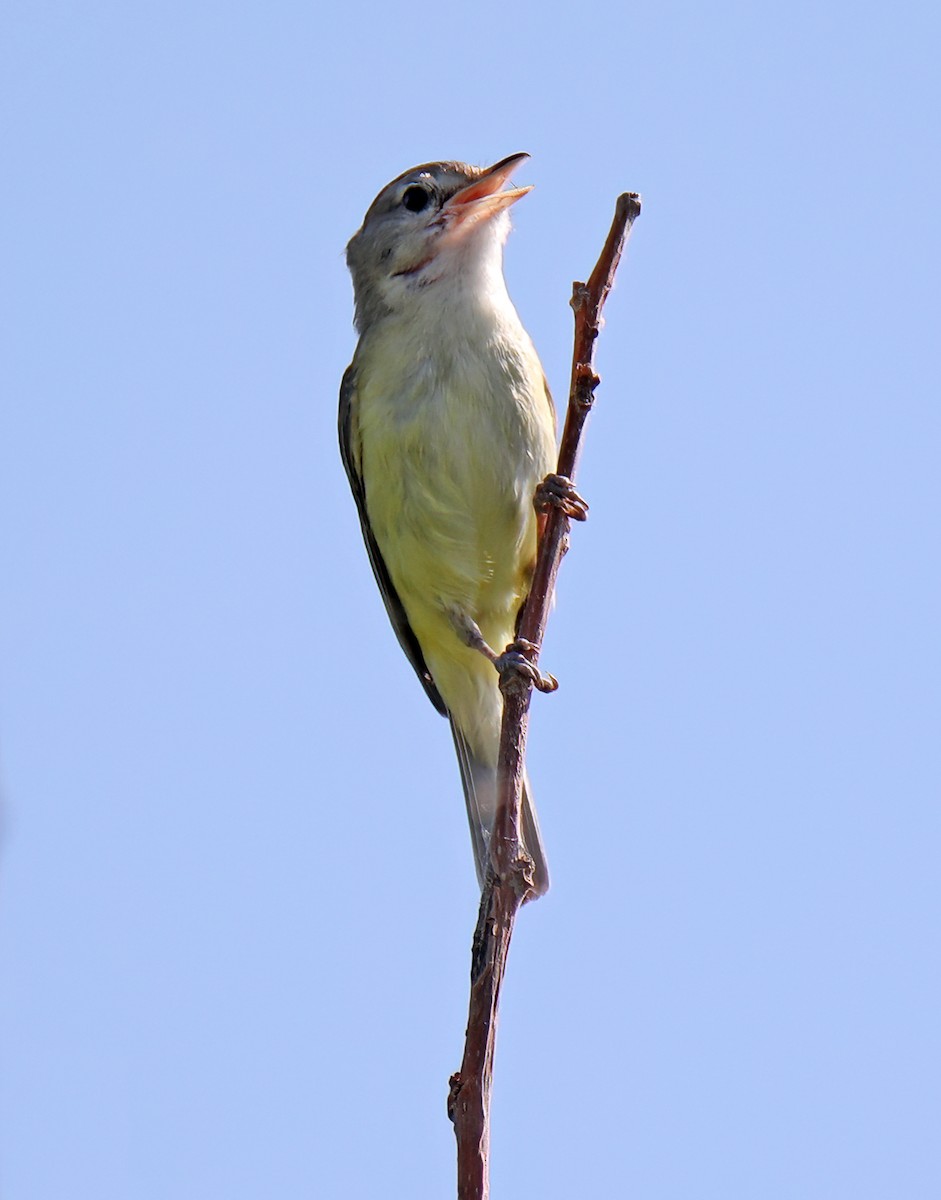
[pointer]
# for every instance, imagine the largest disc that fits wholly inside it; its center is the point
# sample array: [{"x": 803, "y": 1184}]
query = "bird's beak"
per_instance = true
[{"x": 483, "y": 198}]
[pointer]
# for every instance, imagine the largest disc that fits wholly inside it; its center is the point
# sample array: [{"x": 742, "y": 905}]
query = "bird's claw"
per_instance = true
[
  {"x": 558, "y": 491},
  {"x": 514, "y": 666}
]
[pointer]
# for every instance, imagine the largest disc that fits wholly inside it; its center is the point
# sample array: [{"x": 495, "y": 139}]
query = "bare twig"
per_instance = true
[{"x": 510, "y": 877}]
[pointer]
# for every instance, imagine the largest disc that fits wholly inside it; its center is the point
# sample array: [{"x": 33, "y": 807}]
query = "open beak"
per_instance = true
[{"x": 483, "y": 198}]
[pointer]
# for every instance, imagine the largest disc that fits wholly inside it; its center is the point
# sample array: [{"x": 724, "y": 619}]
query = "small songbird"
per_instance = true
[{"x": 446, "y": 428}]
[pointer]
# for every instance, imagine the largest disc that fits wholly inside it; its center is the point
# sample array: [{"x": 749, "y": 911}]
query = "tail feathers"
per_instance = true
[{"x": 480, "y": 795}]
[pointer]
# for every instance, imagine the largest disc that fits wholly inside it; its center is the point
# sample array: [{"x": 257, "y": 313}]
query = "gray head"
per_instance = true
[{"x": 426, "y": 225}]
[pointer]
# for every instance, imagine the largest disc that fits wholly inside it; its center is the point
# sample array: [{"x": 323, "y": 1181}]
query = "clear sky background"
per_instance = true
[{"x": 237, "y": 891}]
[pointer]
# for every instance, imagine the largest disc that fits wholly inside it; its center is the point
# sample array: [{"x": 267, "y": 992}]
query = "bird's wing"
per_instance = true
[{"x": 349, "y": 452}]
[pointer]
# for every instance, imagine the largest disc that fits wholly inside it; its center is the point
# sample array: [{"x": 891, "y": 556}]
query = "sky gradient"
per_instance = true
[{"x": 237, "y": 893}]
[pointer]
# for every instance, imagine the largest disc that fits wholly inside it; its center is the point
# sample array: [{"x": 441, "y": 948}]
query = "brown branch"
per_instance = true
[{"x": 510, "y": 876}]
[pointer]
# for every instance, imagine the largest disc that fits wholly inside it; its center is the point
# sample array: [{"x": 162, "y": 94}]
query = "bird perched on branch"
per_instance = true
[{"x": 446, "y": 429}]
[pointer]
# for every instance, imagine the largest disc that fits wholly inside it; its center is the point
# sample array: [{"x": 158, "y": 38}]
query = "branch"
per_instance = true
[{"x": 510, "y": 877}]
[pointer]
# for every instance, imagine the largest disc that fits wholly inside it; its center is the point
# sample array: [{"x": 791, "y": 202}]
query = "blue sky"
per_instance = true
[{"x": 237, "y": 891}]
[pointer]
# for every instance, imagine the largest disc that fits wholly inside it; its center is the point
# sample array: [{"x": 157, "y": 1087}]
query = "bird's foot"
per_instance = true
[
  {"x": 558, "y": 491},
  {"x": 515, "y": 665}
]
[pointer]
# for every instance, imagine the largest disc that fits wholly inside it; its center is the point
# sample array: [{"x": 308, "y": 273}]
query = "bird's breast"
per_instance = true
[{"x": 452, "y": 445}]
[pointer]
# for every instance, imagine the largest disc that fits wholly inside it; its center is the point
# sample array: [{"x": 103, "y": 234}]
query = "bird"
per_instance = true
[{"x": 446, "y": 428}]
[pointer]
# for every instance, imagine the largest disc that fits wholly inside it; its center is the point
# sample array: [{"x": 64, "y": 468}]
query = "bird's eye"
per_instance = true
[{"x": 415, "y": 198}]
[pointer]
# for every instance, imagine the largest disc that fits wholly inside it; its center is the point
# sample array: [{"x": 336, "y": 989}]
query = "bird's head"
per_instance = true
[{"x": 439, "y": 221}]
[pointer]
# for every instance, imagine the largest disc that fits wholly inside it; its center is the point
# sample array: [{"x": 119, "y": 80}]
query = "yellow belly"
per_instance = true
[{"x": 449, "y": 473}]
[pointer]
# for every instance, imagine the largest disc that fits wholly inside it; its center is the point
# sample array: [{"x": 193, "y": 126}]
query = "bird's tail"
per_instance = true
[{"x": 479, "y": 779}]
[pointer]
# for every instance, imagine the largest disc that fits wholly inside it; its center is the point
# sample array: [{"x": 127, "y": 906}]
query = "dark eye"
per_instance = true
[{"x": 415, "y": 198}]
